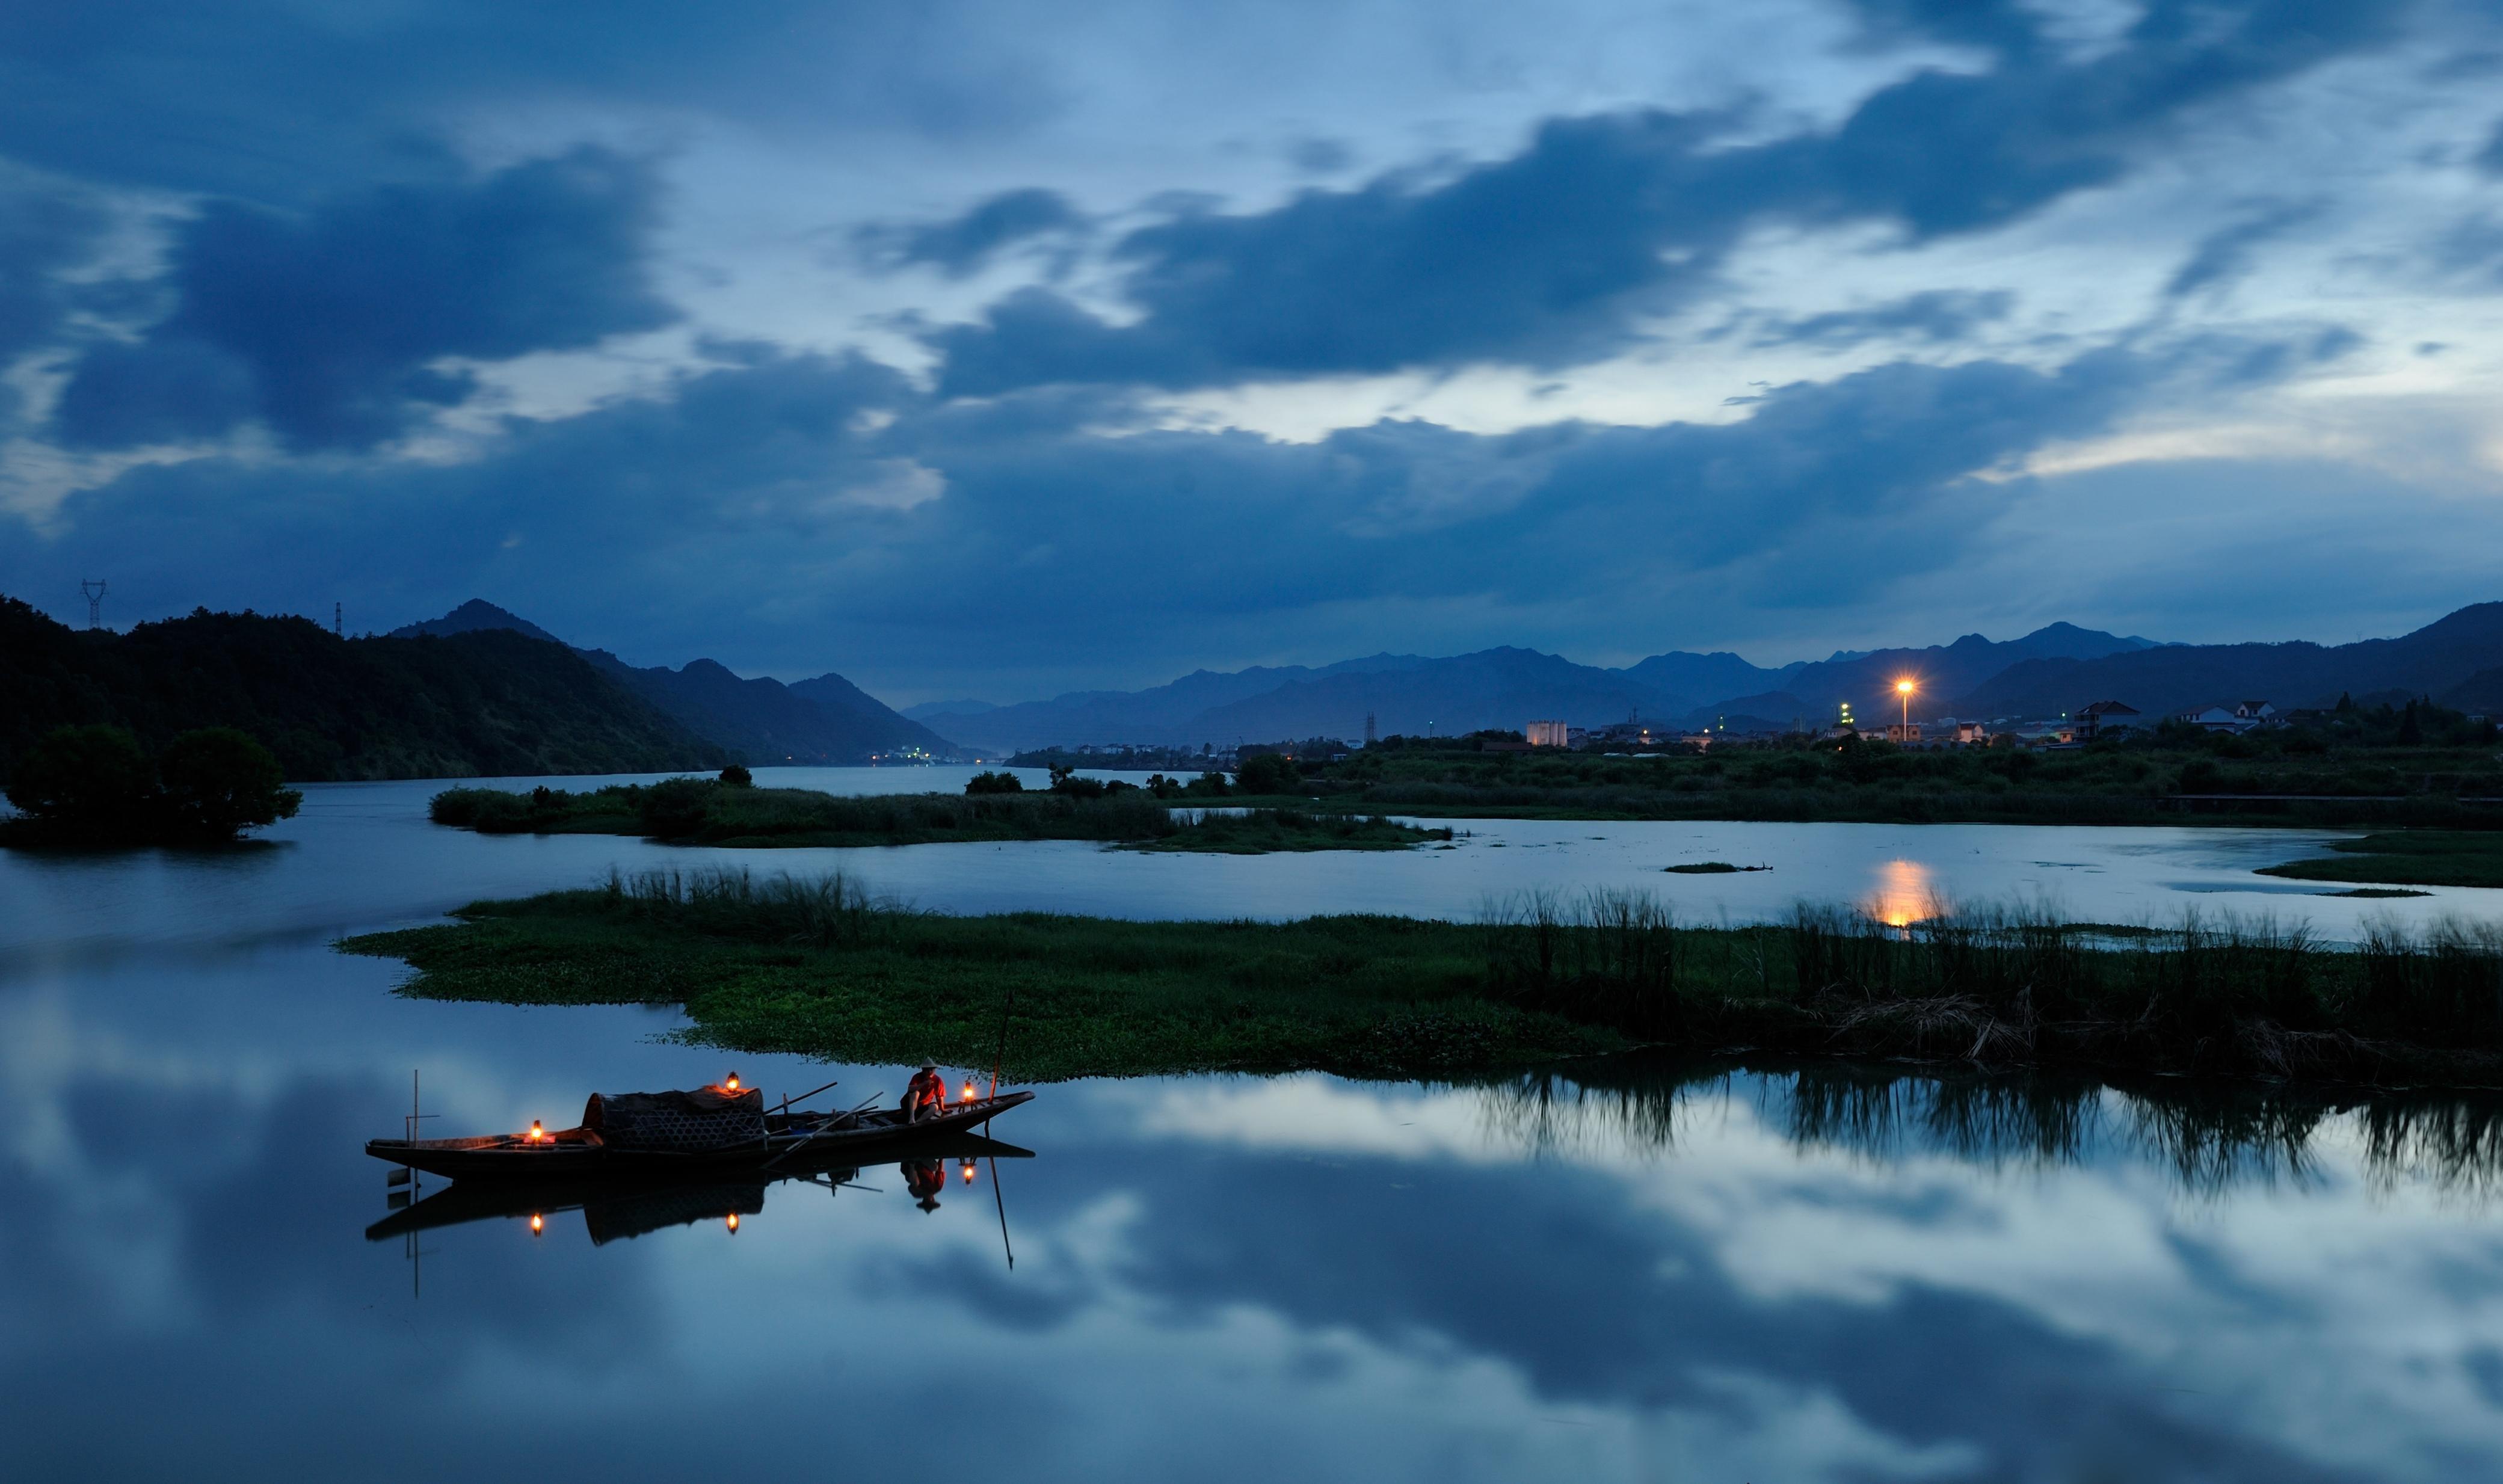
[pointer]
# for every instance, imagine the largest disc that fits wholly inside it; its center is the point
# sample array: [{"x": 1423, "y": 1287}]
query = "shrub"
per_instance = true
[
  {"x": 86, "y": 777},
  {"x": 219, "y": 782},
  {"x": 736, "y": 777},
  {"x": 677, "y": 806},
  {"x": 1269, "y": 772},
  {"x": 994, "y": 783}
]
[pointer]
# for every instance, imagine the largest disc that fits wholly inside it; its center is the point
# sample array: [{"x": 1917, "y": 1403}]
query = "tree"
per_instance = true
[
  {"x": 92, "y": 780},
  {"x": 219, "y": 782},
  {"x": 1269, "y": 772},
  {"x": 736, "y": 777},
  {"x": 994, "y": 783}
]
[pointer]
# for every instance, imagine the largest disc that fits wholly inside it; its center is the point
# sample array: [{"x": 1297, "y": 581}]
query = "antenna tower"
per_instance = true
[
  {"x": 334, "y": 622},
  {"x": 93, "y": 587},
  {"x": 1369, "y": 737}
]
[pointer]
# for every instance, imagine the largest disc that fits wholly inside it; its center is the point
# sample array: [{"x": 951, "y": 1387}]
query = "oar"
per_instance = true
[
  {"x": 823, "y": 1127},
  {"x": 812, "y": 1092},
  {"x": 1002, "y": 1202}
]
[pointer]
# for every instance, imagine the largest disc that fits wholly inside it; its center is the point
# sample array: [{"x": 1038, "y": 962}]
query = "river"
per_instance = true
[{"x": 1640, "y": 1271}]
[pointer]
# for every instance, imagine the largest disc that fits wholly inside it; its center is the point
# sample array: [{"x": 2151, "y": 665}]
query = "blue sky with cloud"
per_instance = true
[{"x": 964, "y": 355}]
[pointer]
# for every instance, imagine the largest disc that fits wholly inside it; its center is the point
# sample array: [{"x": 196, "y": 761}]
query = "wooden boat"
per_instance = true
[
  {"x": 613, "y": 1208},
  {"x": 766, "y": 1140}
]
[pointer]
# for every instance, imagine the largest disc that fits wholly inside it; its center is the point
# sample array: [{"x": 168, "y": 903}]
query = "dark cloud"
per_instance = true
[
  {"x": 1552, "y": 257},
  {"x": 800, "y": 531},
  {"x": 1938, "y": 316},
  {"x": 2225, "y": 255},
  {"x": 324, "y": 326},
  {"x": 285, "y": 103},
  {"x": 964, "y": 244}
]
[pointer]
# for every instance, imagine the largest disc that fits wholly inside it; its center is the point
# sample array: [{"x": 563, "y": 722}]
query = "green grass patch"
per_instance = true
[
  {"x": 2407, "y": 858},
  {"x": 812, "y": 968},
  {"x": 819, "y": 968}
]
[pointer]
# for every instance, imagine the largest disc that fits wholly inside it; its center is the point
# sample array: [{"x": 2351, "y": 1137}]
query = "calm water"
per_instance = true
[{"x": 1644, "y": 1271}]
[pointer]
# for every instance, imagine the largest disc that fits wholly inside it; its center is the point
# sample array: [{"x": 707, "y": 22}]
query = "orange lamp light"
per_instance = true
[
  {"x": 732, "y": 1084},
  {"x": 733, "y": 1223},
  {"x": 537, "y": 1133},
  {"x": 968, "y": 1092},
  {"x": 538, "y": 1224}
]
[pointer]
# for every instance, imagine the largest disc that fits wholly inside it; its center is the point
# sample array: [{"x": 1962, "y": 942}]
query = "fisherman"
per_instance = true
[
  {"x": 923, "y": 1180},
  {"x": 926, "y": 1095}
]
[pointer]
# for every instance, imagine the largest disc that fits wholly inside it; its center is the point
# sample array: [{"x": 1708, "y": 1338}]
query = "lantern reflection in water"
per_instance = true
[{"x": 1904, "y": 894}]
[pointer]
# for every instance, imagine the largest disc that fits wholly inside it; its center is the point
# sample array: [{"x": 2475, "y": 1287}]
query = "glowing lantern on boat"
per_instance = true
[
  {"x": 968, "y": 1172},
  {"x": 732, "y": 1084},
  {"x": 733, "y": 1223},
  {"x": 537, "y": 1133},
  {"x": 968, "y": 1092},
  {"x": 538, "y": 1224}
]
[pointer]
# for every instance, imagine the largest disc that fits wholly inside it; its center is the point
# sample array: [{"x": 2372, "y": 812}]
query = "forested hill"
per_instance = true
[{"x": 486, "y": 703}]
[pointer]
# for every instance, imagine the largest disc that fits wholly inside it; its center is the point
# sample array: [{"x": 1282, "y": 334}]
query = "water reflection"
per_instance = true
[
  {"x": 2209, "y": 1138},
  {"x": 1907, "y": 893}
]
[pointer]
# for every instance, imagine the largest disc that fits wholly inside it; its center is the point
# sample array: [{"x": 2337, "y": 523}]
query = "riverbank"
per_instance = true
[
  {"x": 817, "y": 968},
  {"x": 701, "y": 812}
]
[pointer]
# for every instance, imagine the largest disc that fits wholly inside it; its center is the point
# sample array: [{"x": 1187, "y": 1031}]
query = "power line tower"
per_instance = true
[
  {"x": 93, "y": 587},
  {"x": 334, "y": 622},
  {"x": 1369, "y": 730}
]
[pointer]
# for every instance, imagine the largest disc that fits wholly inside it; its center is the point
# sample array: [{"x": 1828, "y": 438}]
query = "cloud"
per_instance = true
[
  {"x": 964, "y": 245},
  {"x": 786, "y": 512},
  {"x": 2225, "y": 255},
  {"x": 325, "y": 326},
  {"x": 1555, "y": 256},
  {"x": 1939, "y": 316}
]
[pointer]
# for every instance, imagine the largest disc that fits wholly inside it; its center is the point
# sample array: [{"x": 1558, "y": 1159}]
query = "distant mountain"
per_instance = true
[
  {"x": 933, "y": 710},
  {"x": 2439, "y": 659},
  {"x": 475, "y": 701},
  {"x": 1509, "y": 687},
  {"x": 827, "y": 720},
  {"x": 1943, "y": 672},
  {"x": 1165, "y": 713}
]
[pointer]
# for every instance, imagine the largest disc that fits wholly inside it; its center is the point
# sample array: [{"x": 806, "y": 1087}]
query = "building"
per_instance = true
[
  {"x": 1550, "y": 734},
  {"x": 2103, "y": 717},
  {"x": 2242, "y": 716},
  {"x": 1904, "y": 733}
]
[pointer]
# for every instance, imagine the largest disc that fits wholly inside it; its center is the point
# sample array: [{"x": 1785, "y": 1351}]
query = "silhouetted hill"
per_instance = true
[
  {"x": 472, "y": 617},
  {"x": 488, "y": 702},
  {"x": 827, "y": 720},
  {"x": 2434, "y": 659}
]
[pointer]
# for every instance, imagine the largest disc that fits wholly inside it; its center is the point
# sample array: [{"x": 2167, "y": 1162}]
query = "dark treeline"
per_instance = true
[
  {"x": 486, "y": 703},
  {"x": 95, "y": 785},
  {"x": 732, "y": 812},
  {"x": 2351, "y": 766}
]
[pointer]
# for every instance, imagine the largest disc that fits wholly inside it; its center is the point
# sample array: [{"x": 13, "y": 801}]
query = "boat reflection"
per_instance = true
[
  {"x": 614, "y": 1211},
  {"x": 2209, "y": 1137}
]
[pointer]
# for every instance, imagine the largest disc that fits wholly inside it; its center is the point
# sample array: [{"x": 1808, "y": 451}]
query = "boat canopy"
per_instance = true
[{"x": 694, "y": 1123}]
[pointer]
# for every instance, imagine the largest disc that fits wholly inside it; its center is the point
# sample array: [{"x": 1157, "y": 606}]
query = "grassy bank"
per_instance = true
[
  {"x": 816, "y": 968},
  {"x": 703, "y": 812},
  {"x": 2407, "y": 858}
]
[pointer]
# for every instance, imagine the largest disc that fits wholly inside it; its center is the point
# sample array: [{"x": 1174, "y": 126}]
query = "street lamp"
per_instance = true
[{"x": 1905, "y": 688}]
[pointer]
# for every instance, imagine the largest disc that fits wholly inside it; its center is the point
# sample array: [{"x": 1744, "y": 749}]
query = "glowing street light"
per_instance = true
[{"x": 1905, "y": 688}]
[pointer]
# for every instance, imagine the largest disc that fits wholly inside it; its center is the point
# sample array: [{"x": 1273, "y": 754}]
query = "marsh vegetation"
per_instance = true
[{"x": 820, "y": 967}]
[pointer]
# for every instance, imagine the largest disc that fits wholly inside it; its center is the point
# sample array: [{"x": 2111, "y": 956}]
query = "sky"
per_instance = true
[{"x": 972, "y": 354}]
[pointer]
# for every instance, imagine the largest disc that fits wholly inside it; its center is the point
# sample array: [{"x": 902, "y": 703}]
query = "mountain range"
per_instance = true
[
  {"x": 827, "y": 720},
  {"x": 2054, "y": 670}
]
